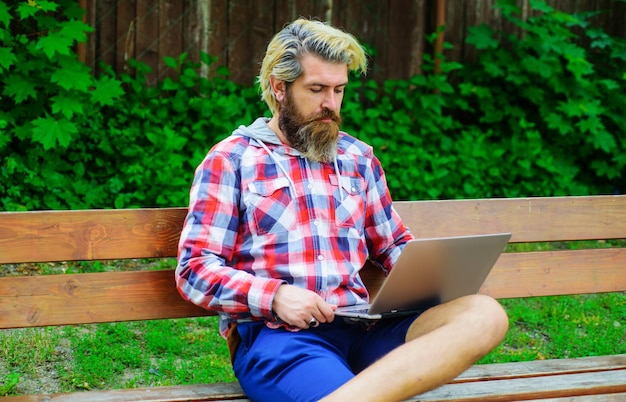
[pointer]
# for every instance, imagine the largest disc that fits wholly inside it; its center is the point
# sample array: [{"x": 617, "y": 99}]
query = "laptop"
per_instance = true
[{"x": 432, "y": 271}]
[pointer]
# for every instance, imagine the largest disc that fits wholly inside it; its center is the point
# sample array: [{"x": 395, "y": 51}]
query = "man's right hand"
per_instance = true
[{"x": 297, "y": 307}]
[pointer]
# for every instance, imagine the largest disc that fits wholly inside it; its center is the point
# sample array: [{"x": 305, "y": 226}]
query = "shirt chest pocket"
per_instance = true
[
  {"x": 349, "y": 194},
  {"x": 269, "y": 206}
]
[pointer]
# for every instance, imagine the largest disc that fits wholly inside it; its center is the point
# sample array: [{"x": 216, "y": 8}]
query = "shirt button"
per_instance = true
[
  {"x": 316, "y": 223},
  {"x": 320, "y": 257},
  {"x": 353, "y": 190}
]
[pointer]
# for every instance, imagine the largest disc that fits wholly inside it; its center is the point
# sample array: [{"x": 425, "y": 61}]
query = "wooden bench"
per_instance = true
[{"x": 52, "y": 300}]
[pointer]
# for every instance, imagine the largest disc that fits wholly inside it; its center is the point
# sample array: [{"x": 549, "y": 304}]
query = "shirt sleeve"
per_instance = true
[
  {"x": 385, "y": 232},
  {"x": 208, "y": 241}
]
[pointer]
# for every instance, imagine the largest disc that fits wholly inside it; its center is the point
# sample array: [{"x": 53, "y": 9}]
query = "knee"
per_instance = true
[{"x": 489, "y": 314}]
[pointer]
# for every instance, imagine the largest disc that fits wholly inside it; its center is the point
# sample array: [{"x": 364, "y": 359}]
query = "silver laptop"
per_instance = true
[{"x": 432, "y": 271}]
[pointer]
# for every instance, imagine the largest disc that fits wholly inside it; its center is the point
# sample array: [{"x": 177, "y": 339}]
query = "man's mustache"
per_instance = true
[{"x": 323, "y": 115}]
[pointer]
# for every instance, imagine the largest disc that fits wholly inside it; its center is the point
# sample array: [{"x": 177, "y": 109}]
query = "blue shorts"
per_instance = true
[{"x": 278, "y": 365}]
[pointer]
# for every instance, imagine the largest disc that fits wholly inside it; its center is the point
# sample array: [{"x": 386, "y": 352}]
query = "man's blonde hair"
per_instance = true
[{"x": 285, "y": 51}]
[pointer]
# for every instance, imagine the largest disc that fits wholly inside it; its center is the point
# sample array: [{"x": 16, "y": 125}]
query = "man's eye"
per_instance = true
[
  {"x": 316, "y": 90},
  {"x": 339, "y": 90}
]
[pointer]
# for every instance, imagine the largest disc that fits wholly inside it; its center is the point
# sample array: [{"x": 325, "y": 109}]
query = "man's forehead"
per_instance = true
[{"x": 317, "y": 71}]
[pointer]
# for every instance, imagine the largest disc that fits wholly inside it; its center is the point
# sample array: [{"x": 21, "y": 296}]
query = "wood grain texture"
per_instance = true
[
  {"x": 554, "y": 386},
  {"x": 143, "y": 233},
  {"x": 528, "y": 219},
  {"x": 35, "y": 301},
  {"x": 42, "y": 236}
]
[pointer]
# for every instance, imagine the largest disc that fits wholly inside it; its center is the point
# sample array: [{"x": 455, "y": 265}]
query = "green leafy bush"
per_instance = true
[
  {"x": 556, "y": 107},
  {"x": 72, "y": 140},
  {"x": 538, "y": 115},
  {"x": 541, "y": 113}
]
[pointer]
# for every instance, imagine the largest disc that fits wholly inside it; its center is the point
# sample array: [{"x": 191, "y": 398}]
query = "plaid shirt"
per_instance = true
[{"x": 253, "y": 226}]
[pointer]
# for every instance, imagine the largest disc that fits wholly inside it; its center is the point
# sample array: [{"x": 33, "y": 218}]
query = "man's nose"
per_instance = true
[{"x": 331, "y": 101}]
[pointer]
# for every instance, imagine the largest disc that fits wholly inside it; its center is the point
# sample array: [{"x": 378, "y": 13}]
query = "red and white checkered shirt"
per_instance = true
[{"x": 262, "y": 215}]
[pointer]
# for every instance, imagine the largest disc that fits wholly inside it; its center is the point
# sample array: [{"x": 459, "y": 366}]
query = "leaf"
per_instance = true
[
  {"x": 170, "y": 62},
  {"x": 601, "y": 139},
  {"x": 79, "y": 169},
  {"x": 49, "y": 131},
  {"x": 75, "y": 30},
  {"x": 67, "y": 105},
  {"x": 556, "y": 122},
  {"x": 26, "y": 10},
  {"x": 44, "y": 5},
  {"x": 609, "y": 84},
  {"x": 5, "y": 16},
  {"x": 7, "y": 58},
  {"x": 54, "y": 43},
  {"x": 19, "y": 88},
  {"x": 72, "y": 76},
  {"x": 107, "y": 90},
  {"x": 481, "y": 37},
  {"x": 571, "y": 108}
]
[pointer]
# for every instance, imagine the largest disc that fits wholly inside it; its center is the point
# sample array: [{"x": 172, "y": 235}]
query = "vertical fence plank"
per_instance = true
[
  {"x": 193, "y": 30},
  {"x": 147, "y": 36},
  {"x": 170, "y": 35},
  {"x": 105, "y": 35},
  {"x": 400, "y": 46},
  {"x": 249, "y": 29},
  {"x": 455, "y": 30},
  {"x": 218, "y": 39},
  {"x": 90, "y": 48},
  {"x": 125, "y": 29}
]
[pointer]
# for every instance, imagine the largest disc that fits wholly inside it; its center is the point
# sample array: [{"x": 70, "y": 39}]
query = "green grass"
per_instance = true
[
  {"x": 117, "y": 355},
  {"x": 562, "y": 327}
]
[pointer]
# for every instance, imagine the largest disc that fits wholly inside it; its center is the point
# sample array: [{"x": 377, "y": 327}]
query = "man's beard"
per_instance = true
[{"x": 316, "y": 139}]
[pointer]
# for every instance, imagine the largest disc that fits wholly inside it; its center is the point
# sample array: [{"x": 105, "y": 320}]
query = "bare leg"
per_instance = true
[{"x": 441, "y": 344}]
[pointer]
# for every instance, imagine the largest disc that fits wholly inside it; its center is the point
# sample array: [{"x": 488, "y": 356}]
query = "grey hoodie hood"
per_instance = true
[{"x": 260, "y": 131}]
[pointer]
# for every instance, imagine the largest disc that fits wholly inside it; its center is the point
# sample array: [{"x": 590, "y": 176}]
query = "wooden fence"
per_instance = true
[{"x": 237, "y": 31}]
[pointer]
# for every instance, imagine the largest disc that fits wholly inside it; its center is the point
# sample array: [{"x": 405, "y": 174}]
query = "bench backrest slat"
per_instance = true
[
  {"x": 546, "y": 273},
  {"x": 528, "y": 219},
  {"x": 33, "y": 301},
  {"x": 42, "y": 236},
  {"x": 125, "y": 296}
]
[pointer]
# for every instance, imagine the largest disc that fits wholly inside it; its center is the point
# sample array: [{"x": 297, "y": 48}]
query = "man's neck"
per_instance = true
[{"x": 273, "y": 125}]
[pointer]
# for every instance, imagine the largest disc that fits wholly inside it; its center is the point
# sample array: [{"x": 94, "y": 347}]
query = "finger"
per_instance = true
[{"x": 326, "y": 312}]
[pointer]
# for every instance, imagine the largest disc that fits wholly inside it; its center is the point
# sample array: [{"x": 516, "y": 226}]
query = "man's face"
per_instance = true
[{"x": 309, "y": 114}]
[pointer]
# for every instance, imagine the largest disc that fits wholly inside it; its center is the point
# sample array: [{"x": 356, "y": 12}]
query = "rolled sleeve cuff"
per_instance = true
[{"x": 261, "y": 296}]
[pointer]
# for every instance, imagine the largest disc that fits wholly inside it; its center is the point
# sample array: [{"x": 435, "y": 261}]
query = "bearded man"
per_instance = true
[{"x": 283, "y": 215}]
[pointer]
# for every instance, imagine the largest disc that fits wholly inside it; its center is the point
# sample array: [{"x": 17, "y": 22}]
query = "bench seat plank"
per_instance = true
[
  {"x": 541, "y": 368},
  {"x": 192, "y": 393},
  {"x": 562, "y": 379},
  {"x": 553, "y": 386},
  {"x": 619, "y": 397}
]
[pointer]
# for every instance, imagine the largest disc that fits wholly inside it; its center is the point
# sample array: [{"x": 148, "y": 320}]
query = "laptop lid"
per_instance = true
[{"x": 432, "y": 269}]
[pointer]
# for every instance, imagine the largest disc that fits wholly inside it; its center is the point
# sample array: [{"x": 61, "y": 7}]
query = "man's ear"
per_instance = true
[{"x": 278, "y": 88}]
